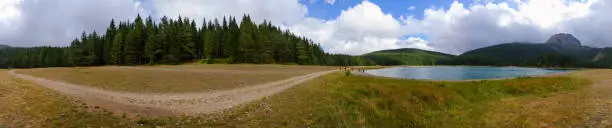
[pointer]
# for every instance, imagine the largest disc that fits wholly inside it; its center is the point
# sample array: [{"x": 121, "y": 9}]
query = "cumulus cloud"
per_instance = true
[
  {"x": 56, "y": 22},
  {"x": 593, "y": 29},
  {"x": 461, "y": 28},
  {"x": 9, "y": 15},
  {"x": 360, "y": 29},
  {"x": 277, "y": 11}
]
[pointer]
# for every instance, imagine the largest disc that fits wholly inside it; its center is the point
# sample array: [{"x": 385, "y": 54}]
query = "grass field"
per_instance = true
[
  {"x": 337, "y": 100},
  {"x": 28, "y": 105},
  {"x": 182, "y": 78},
  {"x": 357, "y": 101}
]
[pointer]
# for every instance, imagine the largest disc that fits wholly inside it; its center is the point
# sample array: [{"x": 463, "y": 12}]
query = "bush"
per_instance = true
[{"x": 207, "y": 61}]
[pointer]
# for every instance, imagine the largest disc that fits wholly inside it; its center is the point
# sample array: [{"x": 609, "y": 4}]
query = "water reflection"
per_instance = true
[{"x": 460, "y": 73}]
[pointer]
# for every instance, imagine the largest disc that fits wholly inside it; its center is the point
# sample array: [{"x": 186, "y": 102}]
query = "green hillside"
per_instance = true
[
  {"x": 2, "y": 46},
  {"x": 560, "y": 50},
  {"x": 511, "y": 54},
  {"x": 604, "y": 58},
  {"x": 546, "y": 55},
  {"x": 408, "y": 56},
  {"x": 578, "y": 52}
]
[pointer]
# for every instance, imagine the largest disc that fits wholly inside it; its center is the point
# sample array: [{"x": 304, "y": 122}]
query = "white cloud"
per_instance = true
[
  {"x": 9, "y": 17},
  {"x": 593, "y": 29},
  {"x": 330, "y": 2},
  {"x": 411, "y": 8},
  {"x": 360, "y": 29},
  {"x": 461, "y": 28},
  {"x": 56, "y": 22},
  {"x": 277, "y": 11}
]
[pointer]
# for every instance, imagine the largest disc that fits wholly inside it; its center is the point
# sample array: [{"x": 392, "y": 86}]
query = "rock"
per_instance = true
[{"x": 564, "y": 39}]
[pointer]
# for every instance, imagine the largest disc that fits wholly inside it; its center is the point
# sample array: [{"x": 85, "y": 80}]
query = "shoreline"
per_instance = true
[{"x": 566, "y": 73}]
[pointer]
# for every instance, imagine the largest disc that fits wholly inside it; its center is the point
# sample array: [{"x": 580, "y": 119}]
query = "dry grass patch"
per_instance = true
[
  {"x": 166, "y": 79},
  {"x": 561, "y": 110},
  {"x": 23, "y": 104},
  {"x": 337, "y": 100}
]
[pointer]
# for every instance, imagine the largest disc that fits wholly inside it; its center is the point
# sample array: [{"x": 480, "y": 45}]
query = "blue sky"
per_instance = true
[
  {"x": 321, "y": 9},
  {"x": 367, "y": 25},
  {"x": 415, "y": 8}
]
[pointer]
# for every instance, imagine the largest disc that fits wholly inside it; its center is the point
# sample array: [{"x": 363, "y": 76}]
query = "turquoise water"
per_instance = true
[{"x": 460, "y": 73}]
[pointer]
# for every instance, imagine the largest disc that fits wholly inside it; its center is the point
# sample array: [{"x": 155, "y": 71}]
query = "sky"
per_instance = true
[{"x": 341, "y": 26}]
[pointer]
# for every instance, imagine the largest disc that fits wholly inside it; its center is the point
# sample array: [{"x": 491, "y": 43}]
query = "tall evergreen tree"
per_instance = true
[
  {"x": 174, "y": 41},
  {"x": 134, "y": 47}
]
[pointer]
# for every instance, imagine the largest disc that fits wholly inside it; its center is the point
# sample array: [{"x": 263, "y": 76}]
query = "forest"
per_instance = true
[{"x": 177, "y": 41}]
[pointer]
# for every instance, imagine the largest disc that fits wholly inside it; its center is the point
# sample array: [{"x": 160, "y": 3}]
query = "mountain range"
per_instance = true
[
  {"x": 560, "y": 50},
  {"x": 408, "y": 56}
]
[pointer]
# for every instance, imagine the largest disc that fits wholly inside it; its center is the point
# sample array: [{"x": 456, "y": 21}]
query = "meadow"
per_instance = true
[
  {"x": 173, "y": 79},
  {"x": 338, "y": 100}
]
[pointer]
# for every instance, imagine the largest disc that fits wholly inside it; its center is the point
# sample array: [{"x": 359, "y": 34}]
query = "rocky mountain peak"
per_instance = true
[{"x": 564, "y": 39}]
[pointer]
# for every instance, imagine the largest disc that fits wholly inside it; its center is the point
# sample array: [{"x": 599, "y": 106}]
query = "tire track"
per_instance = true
[{"x": 168, "y": 104}]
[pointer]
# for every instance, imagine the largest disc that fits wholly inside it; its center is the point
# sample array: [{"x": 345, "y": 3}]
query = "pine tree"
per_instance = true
[
  {"x": 232, "y": 40},
  {"x": 108, "y": 42},
  {"x": 177, "y": 41},
  {"x": 151, "y": 48},
  {"x": 210, "y": 42},
  {"x": 246, "y": 41},
  {"x": 134, "y": 47}
]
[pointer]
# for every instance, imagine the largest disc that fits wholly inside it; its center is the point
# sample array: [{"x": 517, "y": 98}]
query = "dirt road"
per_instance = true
[
  {"x": 169, "y": 104},
  {"x": 601, "y": 91}
]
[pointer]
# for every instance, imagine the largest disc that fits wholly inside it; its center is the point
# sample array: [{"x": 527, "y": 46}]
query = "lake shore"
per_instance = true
[{"x": 361, "y": 72}]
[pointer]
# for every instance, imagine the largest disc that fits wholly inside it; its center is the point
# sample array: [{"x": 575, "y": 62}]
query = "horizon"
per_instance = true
[{"x": 339, "y": 26}]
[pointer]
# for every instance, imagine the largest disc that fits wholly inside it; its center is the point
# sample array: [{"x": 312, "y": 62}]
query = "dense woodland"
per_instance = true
[
  {"x": 536, "y": 55},
  {"x": 176, "y": 41}
]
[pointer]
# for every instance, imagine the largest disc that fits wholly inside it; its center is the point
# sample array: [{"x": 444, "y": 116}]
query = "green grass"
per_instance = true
[
  {"x": 337, "y": 100},
  {"x": 27, "y": 105},
  {"x": 355, "y": 101}
]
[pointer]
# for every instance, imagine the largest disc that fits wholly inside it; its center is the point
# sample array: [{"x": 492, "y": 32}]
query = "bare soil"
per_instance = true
[{"x": 169, "y": 104}]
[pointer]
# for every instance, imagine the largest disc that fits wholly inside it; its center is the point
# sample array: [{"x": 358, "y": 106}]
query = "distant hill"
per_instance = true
[
  {"x": 408, "y": 56},
  {"x": 504, "y": 54},
  {"x": 604, "y": 57},
  {"x": 2, "y": 46},
  {"x": 560, "y": 50}
]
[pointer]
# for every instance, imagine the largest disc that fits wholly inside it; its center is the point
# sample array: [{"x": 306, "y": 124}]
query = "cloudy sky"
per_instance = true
[{"x": 340, "y": 26}]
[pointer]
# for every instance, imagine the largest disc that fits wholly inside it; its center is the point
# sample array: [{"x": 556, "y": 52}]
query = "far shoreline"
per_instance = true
[{"x": 565, "y": 73}]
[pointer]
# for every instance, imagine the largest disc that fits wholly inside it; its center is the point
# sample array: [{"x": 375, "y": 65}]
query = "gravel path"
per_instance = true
[{"x": 149, "y": 104}]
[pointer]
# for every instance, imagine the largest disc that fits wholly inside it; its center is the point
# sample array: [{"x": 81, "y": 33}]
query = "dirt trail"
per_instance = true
[
  {"x": 601, "y": 97},
  {"x": 151, "y": 104}
]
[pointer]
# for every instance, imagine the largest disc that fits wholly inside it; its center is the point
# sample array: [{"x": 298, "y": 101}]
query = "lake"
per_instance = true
[{"x": 460, "y": 73}]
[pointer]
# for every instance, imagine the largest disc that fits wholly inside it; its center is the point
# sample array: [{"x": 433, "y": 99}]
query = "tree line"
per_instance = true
[{"x": 176, "y": 41}]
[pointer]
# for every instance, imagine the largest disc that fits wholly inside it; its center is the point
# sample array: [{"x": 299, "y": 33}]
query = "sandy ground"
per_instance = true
[{"x": 166, "y": 104}]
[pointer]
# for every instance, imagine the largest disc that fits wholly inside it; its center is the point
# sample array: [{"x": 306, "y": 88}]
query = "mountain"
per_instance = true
[
  {"x": 559, "y": 50},
  {"x": 604, "y": 57},
  {"x": 2, "y": 46},
  {"x": 504, "y": 54},
  {"x": 408, "y": 56},
  {"x": 567, "y": 44}
]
